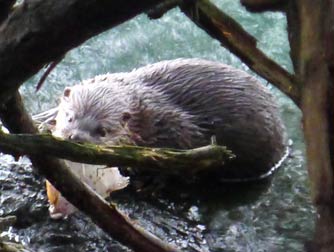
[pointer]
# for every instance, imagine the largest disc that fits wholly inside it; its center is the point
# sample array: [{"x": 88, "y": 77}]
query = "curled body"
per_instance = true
[{"x": 179, "y": 103}]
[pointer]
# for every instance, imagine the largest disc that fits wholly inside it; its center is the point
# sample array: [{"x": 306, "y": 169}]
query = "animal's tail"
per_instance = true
[{"x": 265, "y": 175}]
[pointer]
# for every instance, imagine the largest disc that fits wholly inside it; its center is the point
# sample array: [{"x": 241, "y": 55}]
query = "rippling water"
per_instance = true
[{"x": 281, "y": 217}]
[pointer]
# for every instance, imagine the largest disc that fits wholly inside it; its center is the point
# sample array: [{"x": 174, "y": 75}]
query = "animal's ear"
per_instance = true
[
  {"x": 52, "y": 122},
  {"x": 67, "y": 92},
  {"x": 138, "y": 121}
]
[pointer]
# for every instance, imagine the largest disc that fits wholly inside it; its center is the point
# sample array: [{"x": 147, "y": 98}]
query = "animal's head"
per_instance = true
[{"x": 92, "y": 113}]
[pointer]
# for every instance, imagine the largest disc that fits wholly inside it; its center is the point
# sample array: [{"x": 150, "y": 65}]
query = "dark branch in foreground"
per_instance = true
[
  {"x": 39, "y": 32},
  {"x": 232, "y": 36},
  {"x": 159, "y": 10},
  {"x": 119, "y": 227},
  {"x": 5, "y": 8},
  {"x": 264, "y": 5}
]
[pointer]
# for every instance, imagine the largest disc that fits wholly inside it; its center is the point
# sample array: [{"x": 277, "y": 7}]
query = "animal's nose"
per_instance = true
[{"x": 76, "y": 137}]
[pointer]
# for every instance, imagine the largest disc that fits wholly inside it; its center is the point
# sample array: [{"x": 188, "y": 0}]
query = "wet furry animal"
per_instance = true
[{"x": 179, "y": 103}]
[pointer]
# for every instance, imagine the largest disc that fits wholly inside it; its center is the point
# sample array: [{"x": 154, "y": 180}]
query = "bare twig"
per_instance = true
[{"x": 49, "y": 69}]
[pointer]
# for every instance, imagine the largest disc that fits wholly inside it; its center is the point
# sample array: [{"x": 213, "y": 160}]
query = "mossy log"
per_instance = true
[{"x": 165, "y": 161}]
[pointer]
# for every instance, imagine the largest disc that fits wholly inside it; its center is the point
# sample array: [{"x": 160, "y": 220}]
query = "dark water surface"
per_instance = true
[{"x": 275, "y": 217}]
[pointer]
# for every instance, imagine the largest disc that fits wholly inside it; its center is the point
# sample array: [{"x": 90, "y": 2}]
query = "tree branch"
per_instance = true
[
  {"x": 153, "y": 159},
  {"x": 159, "y": 10},
  {"x": 5, "y": 8},
  {"x": 39, "y": 32},
  {"x": 312, "y": 37},
  {"x": 293, "y": 16},
  {"x": 264, "y": 5},
  {"x": 232, "y": 36}
]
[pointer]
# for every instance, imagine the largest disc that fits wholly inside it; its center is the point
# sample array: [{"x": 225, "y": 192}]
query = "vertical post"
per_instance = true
[{"x": 313, "y": 46}]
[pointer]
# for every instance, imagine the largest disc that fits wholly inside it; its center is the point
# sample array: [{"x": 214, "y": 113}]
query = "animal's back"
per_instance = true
[
  {"x": 227, "y": 103},
  {"x": 182, "y": 103}
]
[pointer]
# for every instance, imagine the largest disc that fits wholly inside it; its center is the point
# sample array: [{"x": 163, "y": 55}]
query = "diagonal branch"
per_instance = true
[
  {"x": 105, "y": 215},
  {"x": 232, "y": 36}
]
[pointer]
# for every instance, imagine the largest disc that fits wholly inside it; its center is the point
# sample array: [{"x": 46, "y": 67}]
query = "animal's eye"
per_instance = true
[
  {"x": 102, "y": 131},
  {"x": 70, "y": 119}
]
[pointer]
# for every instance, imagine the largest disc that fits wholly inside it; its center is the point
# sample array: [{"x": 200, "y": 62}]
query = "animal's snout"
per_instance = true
[{"x": 78, "y": 137}]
